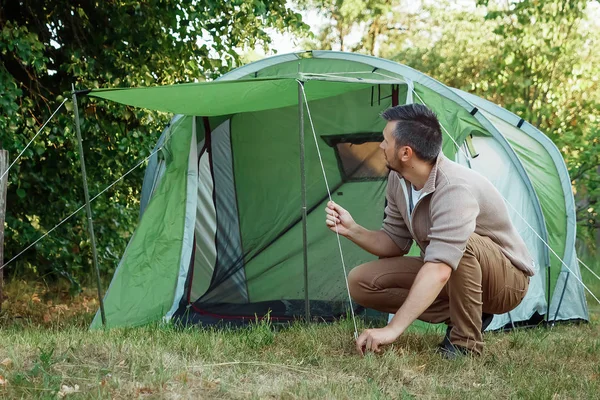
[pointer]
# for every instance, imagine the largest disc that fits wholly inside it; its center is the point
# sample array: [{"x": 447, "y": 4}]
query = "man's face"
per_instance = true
[{"x": 390, "y": 152}]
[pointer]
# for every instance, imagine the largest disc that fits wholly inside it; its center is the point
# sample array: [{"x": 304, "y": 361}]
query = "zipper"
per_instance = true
[
  {"x": 416, "y": 204},
  {"x": 411, "y": 214}
]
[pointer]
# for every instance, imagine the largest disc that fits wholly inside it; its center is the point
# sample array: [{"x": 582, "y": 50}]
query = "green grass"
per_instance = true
[
  {"x": 316, "y": 361},
  {"x": 46, "y": 351}
]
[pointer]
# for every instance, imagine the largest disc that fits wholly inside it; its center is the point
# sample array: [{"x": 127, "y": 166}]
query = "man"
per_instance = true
[{"x": 472, "y": 260}]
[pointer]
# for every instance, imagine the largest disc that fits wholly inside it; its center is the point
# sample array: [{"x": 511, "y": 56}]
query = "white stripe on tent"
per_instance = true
[
  {"x": 205, "y": 229},
  {"x": 190, "y": 221},
  {"x": 409, "y": 92},
  {"x": 253, "y": 68}
]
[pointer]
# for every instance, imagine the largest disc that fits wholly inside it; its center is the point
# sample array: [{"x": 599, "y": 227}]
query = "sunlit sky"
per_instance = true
[{"x": 286, "y": 43}]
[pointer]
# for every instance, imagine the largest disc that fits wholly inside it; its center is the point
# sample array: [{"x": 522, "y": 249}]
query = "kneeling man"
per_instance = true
[{"x": 473, "y": 263}]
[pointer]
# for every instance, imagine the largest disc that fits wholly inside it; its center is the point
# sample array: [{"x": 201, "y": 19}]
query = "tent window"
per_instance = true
[{"x": 359, "y": 156}]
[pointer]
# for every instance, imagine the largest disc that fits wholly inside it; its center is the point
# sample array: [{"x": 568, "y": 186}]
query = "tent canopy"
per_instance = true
[{"x": 235, "y": 96}]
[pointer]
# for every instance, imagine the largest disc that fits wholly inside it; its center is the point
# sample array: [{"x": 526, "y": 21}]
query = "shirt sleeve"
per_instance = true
[
  {"x": 454, "y": 212},
  {"x": 393, "y": 224}
]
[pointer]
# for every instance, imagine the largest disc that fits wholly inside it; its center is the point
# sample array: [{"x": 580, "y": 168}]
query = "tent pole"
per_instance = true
[
  {"x": 88, "y": 209},
  {"x": 562, "y": 295},
  {"x": 548, "y": 280},
  {"x": 303, "y": 183}
]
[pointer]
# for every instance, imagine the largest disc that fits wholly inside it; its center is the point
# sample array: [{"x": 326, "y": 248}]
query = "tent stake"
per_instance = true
[
  {"x": 303, "y": 183},
  {"x": 88, "y": 208}
]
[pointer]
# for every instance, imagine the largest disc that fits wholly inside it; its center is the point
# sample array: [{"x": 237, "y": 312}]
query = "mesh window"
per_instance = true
[{"x": 359, "y": 156}]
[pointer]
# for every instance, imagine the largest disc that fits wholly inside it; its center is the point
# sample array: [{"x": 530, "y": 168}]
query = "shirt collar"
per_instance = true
[{"x": 430, "y": 184}]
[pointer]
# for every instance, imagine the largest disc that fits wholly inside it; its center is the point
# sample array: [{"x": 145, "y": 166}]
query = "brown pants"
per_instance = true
[{"x": 484, "y": 281}]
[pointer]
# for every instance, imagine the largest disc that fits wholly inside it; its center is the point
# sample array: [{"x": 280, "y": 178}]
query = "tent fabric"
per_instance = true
[
  {"x": 189, "y": 222},
  {"x": 569, "y": 295},
  {"x": 240, "y": 248},
  {"x": 142, "y": 289},
  {"x": 154, "y": 170}
]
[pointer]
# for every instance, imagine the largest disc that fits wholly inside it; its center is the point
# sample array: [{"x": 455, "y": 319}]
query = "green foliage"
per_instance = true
[{"x": 48, "y": 45}]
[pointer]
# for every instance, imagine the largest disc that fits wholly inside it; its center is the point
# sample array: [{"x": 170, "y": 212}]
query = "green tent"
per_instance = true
[{"x": 221, "y": 235}]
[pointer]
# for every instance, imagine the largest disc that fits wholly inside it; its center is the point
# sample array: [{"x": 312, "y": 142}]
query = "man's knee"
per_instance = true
[
  {"x": 360, "y": 284},
  {"x": 356, "y": 281}
]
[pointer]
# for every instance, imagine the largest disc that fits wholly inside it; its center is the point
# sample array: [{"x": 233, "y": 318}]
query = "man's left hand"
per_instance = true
[{"x": 371, "y": 339}]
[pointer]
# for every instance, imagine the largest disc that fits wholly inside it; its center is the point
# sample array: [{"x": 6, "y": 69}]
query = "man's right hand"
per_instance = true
[{"x": 336, "y": 215}]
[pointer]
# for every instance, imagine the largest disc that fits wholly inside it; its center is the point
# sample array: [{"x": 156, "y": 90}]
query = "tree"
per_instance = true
[
  {"x": 48, "y": 44},
  {"x": 348, "y": 17}
]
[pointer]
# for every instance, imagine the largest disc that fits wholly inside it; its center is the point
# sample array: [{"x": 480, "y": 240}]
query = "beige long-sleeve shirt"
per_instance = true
[{"x": 455, "y": 202}]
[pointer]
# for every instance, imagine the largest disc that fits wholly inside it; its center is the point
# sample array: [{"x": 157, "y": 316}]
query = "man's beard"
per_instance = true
[{"x": 398, "y": 168}]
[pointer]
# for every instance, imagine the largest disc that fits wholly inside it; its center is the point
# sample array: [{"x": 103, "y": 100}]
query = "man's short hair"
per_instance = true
[{"x": 418, "y": 128}]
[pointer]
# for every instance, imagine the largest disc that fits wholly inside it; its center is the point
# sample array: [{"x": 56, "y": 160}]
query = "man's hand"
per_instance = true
[
  {"x": 336, "y": 215},
  {"x": 371, "y": 339}
]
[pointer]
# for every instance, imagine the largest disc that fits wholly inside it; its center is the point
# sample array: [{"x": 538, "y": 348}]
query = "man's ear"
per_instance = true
[{"x": 405, "y": 153}]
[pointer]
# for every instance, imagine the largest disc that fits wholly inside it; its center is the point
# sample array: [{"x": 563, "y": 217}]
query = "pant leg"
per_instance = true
[
  {"x": 484, "y": 281},
  {"x": 384, "y": 284}
]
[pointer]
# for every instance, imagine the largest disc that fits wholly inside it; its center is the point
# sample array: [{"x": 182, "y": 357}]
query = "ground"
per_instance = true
[{"x": 46, "y": 351}]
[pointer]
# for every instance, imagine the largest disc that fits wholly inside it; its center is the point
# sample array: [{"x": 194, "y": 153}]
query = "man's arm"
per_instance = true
[
  {"x": 377, "y": 242},
  {"x": 427, "y": 286},
  {"x": 394, "y": 239}
]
